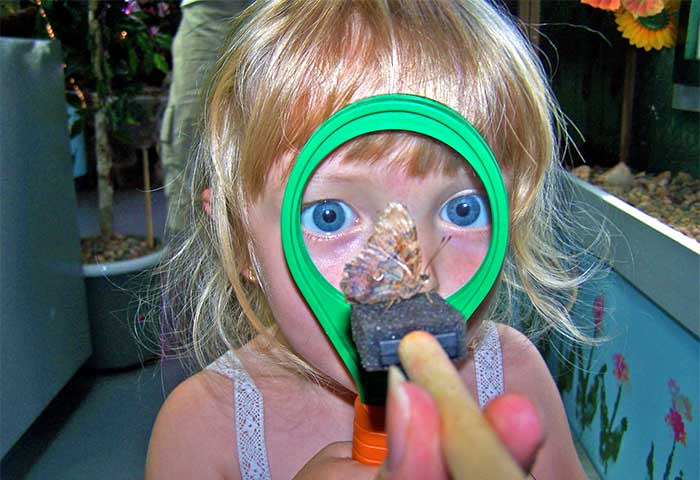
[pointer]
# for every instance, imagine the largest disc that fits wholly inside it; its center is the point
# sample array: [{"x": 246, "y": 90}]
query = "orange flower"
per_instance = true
[
  {"x": 611, "y": 5},
  {"x": 643, "y": 8},
  {"x": 656, "y": 31}
]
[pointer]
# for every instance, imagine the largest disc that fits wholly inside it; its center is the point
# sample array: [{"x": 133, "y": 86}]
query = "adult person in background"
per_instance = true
[{"x": 202, "y": 31}]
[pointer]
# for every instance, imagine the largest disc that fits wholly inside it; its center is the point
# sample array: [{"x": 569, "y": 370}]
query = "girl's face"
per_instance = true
[{"x": 340, "y": 205}]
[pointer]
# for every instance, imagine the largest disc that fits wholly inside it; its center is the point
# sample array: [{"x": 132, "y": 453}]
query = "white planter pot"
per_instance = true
[{"x": 123, "y": 305}]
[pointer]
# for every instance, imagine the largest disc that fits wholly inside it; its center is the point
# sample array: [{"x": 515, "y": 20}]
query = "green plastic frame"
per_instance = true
[{"x": 390, "y": 112}]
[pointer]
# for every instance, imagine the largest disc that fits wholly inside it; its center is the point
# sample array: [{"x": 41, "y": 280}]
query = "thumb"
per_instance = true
[{"x": 515, "y": 420}]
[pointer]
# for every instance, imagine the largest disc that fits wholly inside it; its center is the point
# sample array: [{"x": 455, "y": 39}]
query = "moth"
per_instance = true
[{"x": 388, "y": 269}]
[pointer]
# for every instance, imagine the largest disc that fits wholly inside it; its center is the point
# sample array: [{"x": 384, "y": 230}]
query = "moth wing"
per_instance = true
[
  {"x": 373, "y": 277},
  {"x": 395, "y": 233}
]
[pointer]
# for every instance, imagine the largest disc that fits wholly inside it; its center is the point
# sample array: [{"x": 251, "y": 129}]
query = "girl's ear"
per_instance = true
[
  {"x": 249, "y": 266},
  {"x": 206, "y": 200},
  {"x": 249, "y": 274}
]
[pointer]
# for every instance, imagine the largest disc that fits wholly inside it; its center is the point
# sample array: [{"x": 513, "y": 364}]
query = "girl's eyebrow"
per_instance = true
[
  {"x": 322, "y": 180},
  {"x": 339, "y": 177},
  {"x": 349, "y": 176}
]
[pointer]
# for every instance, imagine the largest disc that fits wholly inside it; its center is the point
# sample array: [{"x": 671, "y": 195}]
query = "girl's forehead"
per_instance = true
[
  {"x": 399, "y": 151},
  {"x": 391, "y": 162},
  {"x": 386, "y": 157}
]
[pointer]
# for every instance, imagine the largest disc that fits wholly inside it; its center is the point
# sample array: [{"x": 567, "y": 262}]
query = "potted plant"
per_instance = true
[
  {"x": 120, "y": 76},
  {"x": 117, "y": 288}
]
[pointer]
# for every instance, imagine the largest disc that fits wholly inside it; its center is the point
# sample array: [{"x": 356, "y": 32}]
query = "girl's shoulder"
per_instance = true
[
  {"x": 525, "y": 372},
  {"x": 192, "y": 436},
  {"x": 518, "y": 352},
  {"x": 524, "y": 369}
]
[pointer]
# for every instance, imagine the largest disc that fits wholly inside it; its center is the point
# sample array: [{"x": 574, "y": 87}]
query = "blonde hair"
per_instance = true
[{"x": 289, "y": 65}]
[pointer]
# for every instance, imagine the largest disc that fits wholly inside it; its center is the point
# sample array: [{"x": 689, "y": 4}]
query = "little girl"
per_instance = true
[{"x": 275, "y": 392}]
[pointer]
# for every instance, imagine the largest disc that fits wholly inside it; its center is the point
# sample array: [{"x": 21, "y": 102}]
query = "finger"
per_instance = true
[
  {"x": 333, "y": 461},
  {"x": 515, "y": 420},
  {"x": 413, "y": 429},
  {"x": 471, "y": 448}
]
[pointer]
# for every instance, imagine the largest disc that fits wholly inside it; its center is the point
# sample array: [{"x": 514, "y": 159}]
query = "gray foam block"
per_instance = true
[{"x": 378, "y": 328}]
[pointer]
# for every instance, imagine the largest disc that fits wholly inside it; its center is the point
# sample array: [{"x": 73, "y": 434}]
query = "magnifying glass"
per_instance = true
[{"x": 388, "y": 113}]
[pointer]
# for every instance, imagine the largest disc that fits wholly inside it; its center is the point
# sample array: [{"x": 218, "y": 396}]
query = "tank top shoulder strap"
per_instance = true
[
  {"x": 250, "y": 421},
  {"x": 248, "y": 401},
  {"x": 488, "y": 362}
]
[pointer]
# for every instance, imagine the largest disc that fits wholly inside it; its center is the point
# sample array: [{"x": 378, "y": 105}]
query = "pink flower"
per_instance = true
[
  {"x": 675, "y": 421},
  {"x": 680, "y": 402},
  {"x": 598, "y": 309},
  {"x": 673, "y": 387},
  {"x": 684, "y": 407},
  {"x": 131, "y": 6},
  {"x": 621, "y": 371}
]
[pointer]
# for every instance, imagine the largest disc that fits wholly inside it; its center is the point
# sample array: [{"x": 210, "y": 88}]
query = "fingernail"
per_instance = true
[{"x": 398, "y": 416}]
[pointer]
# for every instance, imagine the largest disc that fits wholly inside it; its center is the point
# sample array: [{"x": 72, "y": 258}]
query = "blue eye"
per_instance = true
[
  {"x": 468, "y": 210},
  {"x": 327, "y": 216}
]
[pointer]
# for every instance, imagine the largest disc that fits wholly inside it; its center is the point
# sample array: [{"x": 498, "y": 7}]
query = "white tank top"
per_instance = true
[{"x": 248, "y": 402}]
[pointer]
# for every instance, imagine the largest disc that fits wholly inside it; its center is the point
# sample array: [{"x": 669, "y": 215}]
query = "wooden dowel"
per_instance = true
[
  {"x": 471, "y": 448},
  {"x": 147, "y": 190},
  {"x": 627, "y": 104},
  {"x": 529, "y": 13}
]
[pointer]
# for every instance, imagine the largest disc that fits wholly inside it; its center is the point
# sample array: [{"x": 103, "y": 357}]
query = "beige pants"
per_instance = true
[{"x": 202, "y": 32}]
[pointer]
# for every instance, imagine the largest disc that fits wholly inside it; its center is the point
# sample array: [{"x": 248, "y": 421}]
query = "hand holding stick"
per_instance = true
[{"x": 469, "y": 444}]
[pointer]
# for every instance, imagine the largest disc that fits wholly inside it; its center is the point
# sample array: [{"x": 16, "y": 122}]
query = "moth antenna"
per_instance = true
[{"x": 443, "y": 242}]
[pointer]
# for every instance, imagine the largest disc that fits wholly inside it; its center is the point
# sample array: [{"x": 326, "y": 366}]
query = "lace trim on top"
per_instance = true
[
  {"x": 250, "y": 429},
  {"x": 248, "y": 401},
  {"x": 488, "y": 362}
]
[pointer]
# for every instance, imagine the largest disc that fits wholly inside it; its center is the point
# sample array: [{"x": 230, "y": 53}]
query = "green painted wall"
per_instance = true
[
  {"x": 586, "y": 56},
  {"x": 667, "y": 138}
]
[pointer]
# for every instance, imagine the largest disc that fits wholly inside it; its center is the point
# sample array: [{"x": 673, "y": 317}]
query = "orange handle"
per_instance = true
[{"x": 369, "y": 437}]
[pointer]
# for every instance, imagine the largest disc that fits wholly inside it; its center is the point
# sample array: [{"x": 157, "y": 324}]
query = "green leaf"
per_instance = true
[
  {"x": 133, "y": 62},
  {"x": 650, "y": 463},
  {"x": 139, "y": 15},
  {"x": 566, "y": 378},
  {"x": 164, "y": 41},
  {"x": 108, "y": 71},
  {"x": 131, "y": 120},
  {"x": 669, "y": 462},
  {"x": 142, "y": 41},
  {"x": 160, "y": 63}
]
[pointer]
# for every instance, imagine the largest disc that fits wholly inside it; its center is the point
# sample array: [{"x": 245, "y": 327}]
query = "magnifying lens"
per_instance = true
[{"x": 392, "y": 113}]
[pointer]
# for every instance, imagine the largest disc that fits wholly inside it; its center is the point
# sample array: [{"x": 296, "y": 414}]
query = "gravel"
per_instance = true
[
  {"x": 114, "y": 248},
  {"x": 674, "y": 199}
]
